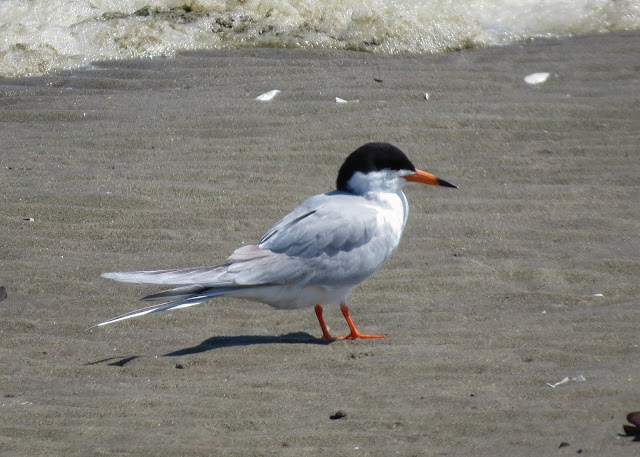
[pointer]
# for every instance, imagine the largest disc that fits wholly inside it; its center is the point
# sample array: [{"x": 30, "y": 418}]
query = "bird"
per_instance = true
[{"x": 316, "y": 255}]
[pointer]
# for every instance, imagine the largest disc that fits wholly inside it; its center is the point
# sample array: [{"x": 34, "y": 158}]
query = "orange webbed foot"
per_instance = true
[{"x": 354, "y": 333}]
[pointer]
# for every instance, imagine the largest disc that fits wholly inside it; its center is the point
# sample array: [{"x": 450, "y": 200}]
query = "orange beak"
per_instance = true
[{"x": 427, "y": 178}]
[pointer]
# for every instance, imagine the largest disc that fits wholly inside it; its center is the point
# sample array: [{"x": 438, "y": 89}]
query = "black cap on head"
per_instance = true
[{"x": 372, "y": 157}]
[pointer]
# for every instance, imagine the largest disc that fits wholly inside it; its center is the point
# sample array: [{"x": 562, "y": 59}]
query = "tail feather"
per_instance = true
[
  {"x": 178, "y": 292},
  {"x": 184, "y": 297},
  {"x": 149, "y": 309}
]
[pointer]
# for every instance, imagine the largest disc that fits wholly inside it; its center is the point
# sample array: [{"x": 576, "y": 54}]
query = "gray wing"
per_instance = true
[
  {"x": 323, "y": 225},
  {"x": 335, "y": 240},
  {"x": 187, "y": 276}
]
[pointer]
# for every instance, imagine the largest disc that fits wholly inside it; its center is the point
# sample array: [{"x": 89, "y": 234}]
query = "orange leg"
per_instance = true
[
  {"x": 325, "y": 333},
  {"x": 354, "y": 332}
]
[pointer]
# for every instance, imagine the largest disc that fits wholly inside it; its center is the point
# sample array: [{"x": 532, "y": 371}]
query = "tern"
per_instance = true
[{"x": 316, "y": 255}]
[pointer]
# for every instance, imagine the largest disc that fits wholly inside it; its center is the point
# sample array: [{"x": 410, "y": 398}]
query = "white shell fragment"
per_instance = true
[
  {"x": 268, "y": 96},
  {"x": 578, "y": 378},
  {"x": 536, "y": 78},
  {"x": 342, "y": 100}
]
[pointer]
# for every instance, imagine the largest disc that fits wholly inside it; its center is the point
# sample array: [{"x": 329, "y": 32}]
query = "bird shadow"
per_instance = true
[{"x": 219, "y": 342}]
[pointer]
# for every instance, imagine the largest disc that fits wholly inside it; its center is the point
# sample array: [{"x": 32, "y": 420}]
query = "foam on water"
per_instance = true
[{"x": 40, "y": 36}]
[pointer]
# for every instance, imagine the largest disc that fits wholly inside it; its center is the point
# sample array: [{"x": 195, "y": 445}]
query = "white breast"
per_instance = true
[{"x": 393, "y": 211}]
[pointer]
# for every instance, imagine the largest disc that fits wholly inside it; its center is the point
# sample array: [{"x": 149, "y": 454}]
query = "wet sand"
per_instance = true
[{"x": 526, "y": 274}]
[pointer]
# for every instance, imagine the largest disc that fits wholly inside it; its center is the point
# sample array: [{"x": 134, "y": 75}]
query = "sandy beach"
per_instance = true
[{"x": 524, "y": 276}]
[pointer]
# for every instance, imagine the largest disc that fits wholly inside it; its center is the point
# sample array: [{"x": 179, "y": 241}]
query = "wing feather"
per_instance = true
[
  {"x": 204, "y": 276},
  {"x": 323, "y": 226}
]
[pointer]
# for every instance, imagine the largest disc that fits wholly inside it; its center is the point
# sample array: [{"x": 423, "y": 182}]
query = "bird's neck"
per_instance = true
[
  {"x": 393, "y": 207},
  {"x": 375, "y": 181}
]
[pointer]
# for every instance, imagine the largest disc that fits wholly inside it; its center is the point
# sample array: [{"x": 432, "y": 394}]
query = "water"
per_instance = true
[{"x": 42, "y": 36}]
